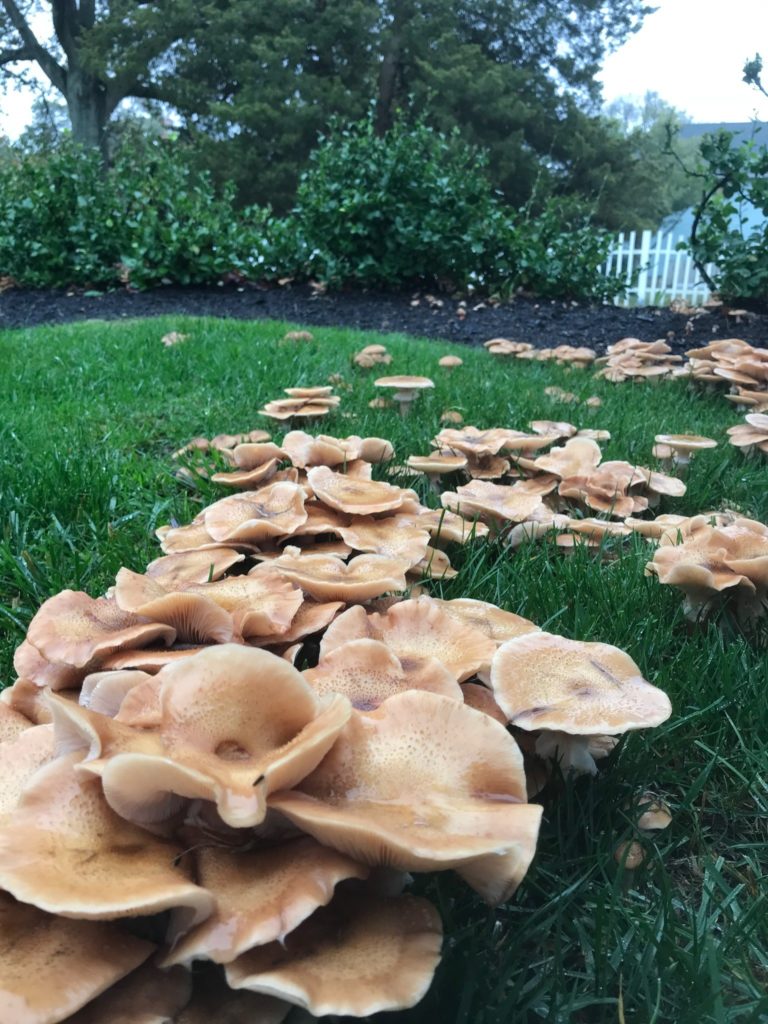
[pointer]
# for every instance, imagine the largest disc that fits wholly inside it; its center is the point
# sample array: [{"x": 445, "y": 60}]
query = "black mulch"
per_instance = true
[{"x": 544, "y": 323}]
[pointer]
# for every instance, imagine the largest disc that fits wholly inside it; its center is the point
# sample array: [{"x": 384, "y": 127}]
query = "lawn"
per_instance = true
[{"x": 91, "y": 413}]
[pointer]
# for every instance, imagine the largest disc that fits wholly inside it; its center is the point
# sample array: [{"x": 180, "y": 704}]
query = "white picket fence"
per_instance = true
[{"x": 655, "y": 270}]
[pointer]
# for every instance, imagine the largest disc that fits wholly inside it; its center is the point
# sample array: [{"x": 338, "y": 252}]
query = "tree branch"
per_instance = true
[
  {"x": 11, "y": 56},
  {"x": 139, "y": 91},
  {"x": 55, "y": 73}
]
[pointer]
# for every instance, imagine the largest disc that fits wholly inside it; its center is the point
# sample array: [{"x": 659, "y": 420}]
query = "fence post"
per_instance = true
[{"x": 645, "y": 255}]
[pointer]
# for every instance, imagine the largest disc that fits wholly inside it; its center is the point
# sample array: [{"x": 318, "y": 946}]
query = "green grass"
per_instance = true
[{"x": 89, "y": 416}]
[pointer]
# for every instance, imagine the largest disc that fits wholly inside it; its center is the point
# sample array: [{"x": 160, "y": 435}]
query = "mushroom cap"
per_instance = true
[
  {"x": 473, "y": 442},
  {"x": 51, "y": 966},
  {"x": 322, "y": 391},
  {"x": 360, "y": 955},
  {"x": 481, "y": 698},
  {"x": 20, "y": 758},
  {"x": 448, "y": 526},
  {"x": 398, "y": 537},
  {"x": 194, "y": 618},
  {"x": 327, "y": 578},
  {"x": 214, "y": 1001},
  {"x": 236, "y": 724},
  {"x": 368, "y": 673},
  {"x": 494, "y": 622},
  {"x": 495, "y": 501},
  {"x": 579, "y": 456},
  {"x": 404, "y": 383},
  {"x": 361, "y": 497},
  {"x": 75, "y": 629},
  {"x": 195, "y": 566},
  {"x": 450, "y": 361},
  {"x": 64, "y": 850},
  {"x": 545, "y": 681},
  {"x": 422, "y": 783},
  {"x": 437, "y": 463},
  {"x": 686, "y": 443},
  {"x": 414, "y": 630},
  {"x": 276, "y": 510},
  {"x": 714, "y": 558},
  {"x": 261, "y": 896},
  {"x": 12, "y": 723}
]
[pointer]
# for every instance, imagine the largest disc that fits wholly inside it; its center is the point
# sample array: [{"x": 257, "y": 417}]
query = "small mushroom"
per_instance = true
[
  {"x": 406, "y": 389},
  {"x": 450, "y": 363}
]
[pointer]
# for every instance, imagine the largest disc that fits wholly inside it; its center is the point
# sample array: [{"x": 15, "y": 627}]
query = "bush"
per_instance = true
[
  {"x": 147, "y": 220},
  {"x": 733, "y": 175},
  {"x": 415, "y": 206}
]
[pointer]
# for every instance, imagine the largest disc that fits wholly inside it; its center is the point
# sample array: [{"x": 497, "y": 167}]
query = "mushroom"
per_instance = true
[
  {"x": 360, "y": 955},
  {"x": 450, "y": 363},
  {"x": 298, "y": 336},
  {"x": 422, "y": 783},
  {"x": 498, "y": 503},
  {"x": 415, "y": 630},
  {"x": 751, "y": 434},
  {"x": 675, "y": 450},
  {"x": 546, "y": 682},
  {"x": 236, "y": 724},
  {"x": 261, "y": 896},
  {"x": 52, "y": 966},
  {"x": 368, "y": 673},
  {"x": 64, "y": 850},
  {"x": 276, "y": 510},
  {"x": 372, "y": 355},
  {"x": 146, "y": 996},
  {"x": 362, "y": 497},
  {"x": 406, "y": 389},
  {"x": 327, "y": 578}
]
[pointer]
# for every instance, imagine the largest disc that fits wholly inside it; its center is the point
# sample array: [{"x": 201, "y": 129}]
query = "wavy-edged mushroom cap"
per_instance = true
[
  {"x": 237, "y": 723},
  {"x": 545, "y": 681},
  {"x": 360, "y": 955},
  {"x": 398, "y": 537},
  {"x": 51, "y": 966},
  {"x": 471, "y": 441},
  {"x": 579, "y": 456},
  {"x": 423, "y": 783},
  {"x": 310, "y": 618},
  {"x": 437, "y": 464},
  {"x": 76, "y": 629},
  {"x": 494, "y": 501},
  {"x": 261, "y": 896},
  {"x": 448, "y": 526},
  {"x": 65, "y": 851},
  {"x": 361, "y": 497},
  {"x": 104, "y": 692},
  {"x": 276, "y": 510},
  {"x": 368, "y": 673},
  {"x": 194, "y": 618},
  {"x": 414, "y": 630},
  {"x": 686, "y": 444},
  {"x": 196, "y": 566},
  {"x": 494, "y": 622},
  {"x": 327, "y": 578}
]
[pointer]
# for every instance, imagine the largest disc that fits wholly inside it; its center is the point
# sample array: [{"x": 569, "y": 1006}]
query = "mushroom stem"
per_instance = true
[{"x": 405, "y": 400}]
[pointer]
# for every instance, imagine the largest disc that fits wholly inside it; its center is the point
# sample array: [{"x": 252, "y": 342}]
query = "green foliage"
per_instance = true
[
  {"x": 147, "y": 220},
  {"x": 415, "y": 206},
  {"x": 733, "y": 175}
]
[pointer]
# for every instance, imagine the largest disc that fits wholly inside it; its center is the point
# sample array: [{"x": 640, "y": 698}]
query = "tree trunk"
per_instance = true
[
  {"x": 87, "y": 106},
  {"x": 387, "y": 91}
]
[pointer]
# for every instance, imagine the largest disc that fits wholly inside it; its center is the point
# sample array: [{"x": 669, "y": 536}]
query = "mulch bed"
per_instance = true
[{"x": 543, "y": 322}]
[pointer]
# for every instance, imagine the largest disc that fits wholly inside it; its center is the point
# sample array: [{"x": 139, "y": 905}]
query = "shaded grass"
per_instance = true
[{"x": 90, "y": 415}]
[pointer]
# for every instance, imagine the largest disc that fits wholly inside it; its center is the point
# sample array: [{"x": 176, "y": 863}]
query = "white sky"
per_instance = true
[{"x": 691, "y": 52}]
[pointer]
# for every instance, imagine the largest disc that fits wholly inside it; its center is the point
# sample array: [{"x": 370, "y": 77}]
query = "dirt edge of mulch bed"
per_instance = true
[{"x": 541, "y": 322}]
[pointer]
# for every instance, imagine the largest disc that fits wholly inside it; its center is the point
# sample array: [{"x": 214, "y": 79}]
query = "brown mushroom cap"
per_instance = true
[
  {"x": 261, "y": 896},
  {"x": 361, "y": 497},
  {"x": 51, "y": 966},
  {"x": 545, "y": 681},
  {"x": 368, "y": 672},
  {"x": 196, "y": 566},
  {"x": 276, "y": 510},
  {"x": 361, "y": 955},
  {"x": 398, "y": 537},
  {"x": 20, "y": 758},
  {"x": 686, "y": 443},
  {"x": 64, "y": 850},
  {"x": 493, "y": 501},
  {"x": 481, "y": 698},
  {"x": 327, "y": 578},
  {"x": 449, "y": 362},
  {"x": 12, "y": 723},
  {"x": 414, "y": 630},
  {"x": 75, "y": 629},
  {"x": 494, "y": 622},
  {"x": 404, "y": 383},
  {"x": 436, "y": 464},
  {"x": 422, "y": 783},
  {"x": 236, "y": 724}
]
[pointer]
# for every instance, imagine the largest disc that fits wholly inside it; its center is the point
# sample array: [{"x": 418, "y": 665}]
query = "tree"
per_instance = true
[{"x": 99, "y": 53}]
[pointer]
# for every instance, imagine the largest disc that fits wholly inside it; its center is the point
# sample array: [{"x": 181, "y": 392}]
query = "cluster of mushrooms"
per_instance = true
[
  {"x": 562, "y": 355},
  {"x": 219, "y": 777},
  {"x": 632, "y": 359},
  {"x": 302, "y": 403},
  {"x": 752, "y": 434},
  {"x": 735, "y": 363}
]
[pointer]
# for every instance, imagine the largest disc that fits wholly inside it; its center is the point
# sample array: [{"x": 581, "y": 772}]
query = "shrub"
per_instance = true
[
  {"x": 147, "y": 220},
  {"x": 733, "y": 175},
  {"x": 411, "y": 205},
  {"x": 415, "y": 206}
]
